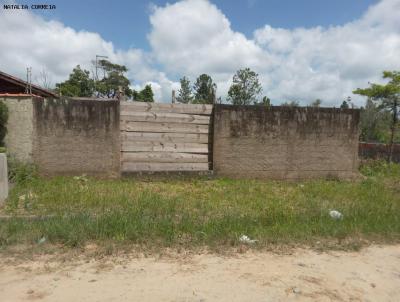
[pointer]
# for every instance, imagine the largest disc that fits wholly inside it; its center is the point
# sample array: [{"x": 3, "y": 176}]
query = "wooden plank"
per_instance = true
[
  {"x": 156, "y": 167},
  {"x": 161, "y": 107},
  {"x": 164, "y": 127},
  {"x": 164, "y": 137},
  {"x": 162, "y": 117},
  {"x": 163, "y": 157},
  {"x": 164, "y": 147}
]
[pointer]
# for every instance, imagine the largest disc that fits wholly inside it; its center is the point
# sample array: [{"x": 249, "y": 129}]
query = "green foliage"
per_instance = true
[
  {"x": 113, "y": 80},
  {"x": 387, "y": 98},
  {"x": 204, "y": 90},
  {"x": 380, "y": 168},
  {"x": 3, "y": 122},
  {"x": 145, "y": 95},
  {"x": 185, "y": 92},
  {"x": 316, "y": 103},
  {"x": 290, "y": 104},
  {"x": 375, "y": 124},
  {"x": 79, "y": 84},
  {"x": 19, "y": 172},
  {"x": 245, "y": 88},
  {"x": 344, "y": 105},
  {"x": 388, "y": 95},
  {"x": 264, "y": 102}
]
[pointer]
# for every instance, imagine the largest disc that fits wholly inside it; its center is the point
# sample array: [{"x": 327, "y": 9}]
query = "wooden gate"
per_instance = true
[{"x": 158, "y": 137}]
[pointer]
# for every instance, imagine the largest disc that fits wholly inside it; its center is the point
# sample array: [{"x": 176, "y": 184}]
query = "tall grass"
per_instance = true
[{"x": 204, "y": 212}]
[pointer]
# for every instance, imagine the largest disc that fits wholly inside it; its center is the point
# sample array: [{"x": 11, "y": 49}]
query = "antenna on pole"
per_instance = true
[
  {"x": 27, "y": 80},
  {"x": 97, "y": 57}
]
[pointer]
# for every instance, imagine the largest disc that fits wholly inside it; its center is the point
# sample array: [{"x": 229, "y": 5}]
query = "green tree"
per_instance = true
[
  {"x": 204, "y": 90},
  {"x": 145, "y": 95},
  {"x": 388, "y": 98},
  {"x": 245, "y": 87},
  {"x": 265, "y": 102},
  {"x": 374, "y": 123},
  {"x": 185, "y": 93},
  {"x": 113, "y": 80},
  {"x": 344, "y": 105},
  {"x": 347, "y": 103},
  {"x": 316, "y": 103},
  {"x": 290, "y": 104},
  {"x": 79, "y": 84}
]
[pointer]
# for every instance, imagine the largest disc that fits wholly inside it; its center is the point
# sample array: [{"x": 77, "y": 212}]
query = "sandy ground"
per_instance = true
[{"x": 372, "y": 274}]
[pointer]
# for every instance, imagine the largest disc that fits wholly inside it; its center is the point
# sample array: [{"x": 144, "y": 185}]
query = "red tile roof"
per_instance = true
[{"x": 37, "y": 90}]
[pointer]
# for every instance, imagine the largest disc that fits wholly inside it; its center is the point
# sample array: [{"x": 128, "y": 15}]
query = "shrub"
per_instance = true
[
  {"x": 379, "y": 167},
  {"x": 19, "y": 172}
]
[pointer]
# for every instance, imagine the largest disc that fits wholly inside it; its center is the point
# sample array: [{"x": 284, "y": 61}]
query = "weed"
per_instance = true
[
  {"x": 211, "y": 213},
  {"x": 19, "y": 172}
]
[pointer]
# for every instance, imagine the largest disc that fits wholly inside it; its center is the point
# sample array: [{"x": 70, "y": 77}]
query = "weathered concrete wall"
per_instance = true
[
  {"x": 3, "y": 178},
  {"x": 285, "y": 142},
  {"x": 76, "y": 136},
  {"x": 19, "y": 138}
]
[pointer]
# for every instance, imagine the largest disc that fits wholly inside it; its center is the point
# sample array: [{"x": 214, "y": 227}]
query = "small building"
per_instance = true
[{"x": 13, "y": 85}]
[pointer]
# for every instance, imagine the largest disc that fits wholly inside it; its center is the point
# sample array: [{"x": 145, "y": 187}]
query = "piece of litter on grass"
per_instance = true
[
  {"x": 335, "y": 214},
  {"x": 246, "y": 239},
  {"x": 81, "y": 178},
  {"x": 42, "y": 240}
]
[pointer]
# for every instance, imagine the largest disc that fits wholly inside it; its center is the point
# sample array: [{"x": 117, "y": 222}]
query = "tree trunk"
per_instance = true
[{"x": 392, "y": 130}]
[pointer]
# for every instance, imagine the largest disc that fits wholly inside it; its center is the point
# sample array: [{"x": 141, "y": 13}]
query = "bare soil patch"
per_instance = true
[{"x": 372, "y": 274}]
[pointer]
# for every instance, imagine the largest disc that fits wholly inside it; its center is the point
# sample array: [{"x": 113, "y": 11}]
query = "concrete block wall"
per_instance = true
[
  {"x": 285, "y": 142},
  {"x": 77, "y": 136}
]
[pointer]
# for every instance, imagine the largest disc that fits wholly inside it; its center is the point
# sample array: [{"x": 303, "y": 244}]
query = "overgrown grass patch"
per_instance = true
[{"x": 203, "y": 212}]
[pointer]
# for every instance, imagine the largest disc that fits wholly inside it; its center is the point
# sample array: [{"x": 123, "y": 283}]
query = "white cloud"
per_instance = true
[
  {"x": 194, "y": 36},
  {"x": 28, "y": 40},
  {"x": 329, "y": 63},
  {"x": 191, "y": 37}
]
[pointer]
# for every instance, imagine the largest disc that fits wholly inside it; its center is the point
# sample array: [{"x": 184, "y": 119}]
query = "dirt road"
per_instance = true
[{"x": 372, "y": 274}]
